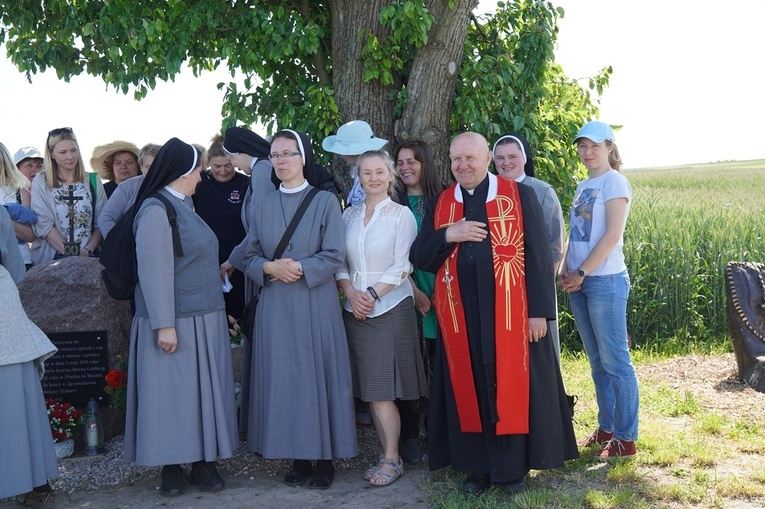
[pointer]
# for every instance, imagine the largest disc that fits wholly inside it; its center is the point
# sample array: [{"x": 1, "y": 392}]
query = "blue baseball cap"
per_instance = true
[{"x": 596, "y": 131}]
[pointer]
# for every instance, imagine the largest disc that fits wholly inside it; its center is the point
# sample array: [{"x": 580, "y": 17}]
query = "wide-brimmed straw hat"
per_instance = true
[
  {"x": 353, "y": 139},
  {"x": 102, "y": 152}
]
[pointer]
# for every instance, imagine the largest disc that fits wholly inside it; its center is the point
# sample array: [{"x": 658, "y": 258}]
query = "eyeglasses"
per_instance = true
[
  {"x": 283, "y": 155},
  {"x": 60, "y": 130}
]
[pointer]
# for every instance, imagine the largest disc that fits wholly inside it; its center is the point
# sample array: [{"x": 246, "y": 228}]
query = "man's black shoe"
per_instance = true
[
  {"x": 476, "y": 483},
  {"x": 515, "y": 486}
]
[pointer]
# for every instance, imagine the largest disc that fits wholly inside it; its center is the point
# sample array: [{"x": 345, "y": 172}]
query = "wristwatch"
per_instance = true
[{"x": 581, "y": 273}]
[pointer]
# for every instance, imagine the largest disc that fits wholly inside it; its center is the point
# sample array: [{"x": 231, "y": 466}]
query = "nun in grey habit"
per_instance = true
[
  {"x": 180, "y": 403},
  {"x": 27, "y": 458},
  {"x": 300, "y": 397}
]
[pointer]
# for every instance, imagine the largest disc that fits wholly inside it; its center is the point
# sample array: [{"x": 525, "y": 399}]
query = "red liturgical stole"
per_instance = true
[{"x": 503, "y": 208}]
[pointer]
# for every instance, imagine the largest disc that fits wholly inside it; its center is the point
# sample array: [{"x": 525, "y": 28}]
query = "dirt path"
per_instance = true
[
  {"x": 261, "y": 491},
  {"x": 253, "y": 482}
]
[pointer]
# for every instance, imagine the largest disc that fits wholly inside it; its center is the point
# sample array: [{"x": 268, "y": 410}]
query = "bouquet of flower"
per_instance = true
[
  {"x": 63, "y": 419},
  {"x": 116, "y": 388}
]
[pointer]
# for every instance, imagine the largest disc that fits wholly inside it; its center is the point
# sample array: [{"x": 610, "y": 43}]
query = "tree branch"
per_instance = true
[
  {"x": 318, "y": 59},
  {"x": 479, "y": 27}
]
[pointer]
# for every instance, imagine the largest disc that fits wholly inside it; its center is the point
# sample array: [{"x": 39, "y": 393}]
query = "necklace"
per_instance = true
[{"x": 419, "y": 205}]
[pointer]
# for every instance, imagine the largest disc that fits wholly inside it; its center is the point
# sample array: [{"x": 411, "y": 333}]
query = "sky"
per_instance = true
[{"x": 686, "y": 86}]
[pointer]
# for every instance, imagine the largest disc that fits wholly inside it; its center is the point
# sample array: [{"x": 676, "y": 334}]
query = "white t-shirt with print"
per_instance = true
[{"x": 588, "y": 221}]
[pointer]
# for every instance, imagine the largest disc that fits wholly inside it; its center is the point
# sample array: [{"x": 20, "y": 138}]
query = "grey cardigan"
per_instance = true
[
  {"x": 118, "y": 204},
  {"x": 45, "y": 207},
  {"x": 169, "y": 287}
]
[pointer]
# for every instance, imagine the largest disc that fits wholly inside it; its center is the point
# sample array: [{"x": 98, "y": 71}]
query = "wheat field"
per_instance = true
[{"x": 685, "y": 224}]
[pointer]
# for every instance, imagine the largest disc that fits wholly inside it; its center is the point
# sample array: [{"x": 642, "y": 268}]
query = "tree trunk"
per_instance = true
[
  {"x": 432, "y": 81},
  {"x": 356, "y": 99},
  {"x": 430, "y": 84}
]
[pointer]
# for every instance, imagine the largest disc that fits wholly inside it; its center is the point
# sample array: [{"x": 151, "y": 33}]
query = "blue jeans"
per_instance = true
[{"x": 600, "y": 312}]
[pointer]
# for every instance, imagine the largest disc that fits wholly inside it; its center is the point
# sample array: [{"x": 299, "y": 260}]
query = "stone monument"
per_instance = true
[{"x": 66, "y": 298}]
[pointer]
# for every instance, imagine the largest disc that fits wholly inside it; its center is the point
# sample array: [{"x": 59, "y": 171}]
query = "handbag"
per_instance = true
[{"x": 248, "y": 314}]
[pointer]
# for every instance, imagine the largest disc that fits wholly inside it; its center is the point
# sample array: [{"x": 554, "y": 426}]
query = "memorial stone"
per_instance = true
[{"x": 66, "y": 298}]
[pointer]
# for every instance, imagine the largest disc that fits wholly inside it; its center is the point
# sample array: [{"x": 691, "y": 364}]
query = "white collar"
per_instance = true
[
  {"x": 492, "y": 189},
  {"x": 175, "y": 193},
  {"x": 295, "y": 189},
  {"x": 521, "y": 178}
]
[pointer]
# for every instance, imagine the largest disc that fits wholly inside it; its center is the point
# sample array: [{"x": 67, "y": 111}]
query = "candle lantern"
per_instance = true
[{"x": 94, "y": 430}]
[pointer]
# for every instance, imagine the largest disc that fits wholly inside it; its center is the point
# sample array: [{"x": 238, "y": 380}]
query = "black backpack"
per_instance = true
[{"x": 120, "y": 272}]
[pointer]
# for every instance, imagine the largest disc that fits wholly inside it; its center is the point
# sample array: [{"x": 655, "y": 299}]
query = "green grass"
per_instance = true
[
  {"x": 688, "y": 456},
  {"x": 686, "y": 223}
]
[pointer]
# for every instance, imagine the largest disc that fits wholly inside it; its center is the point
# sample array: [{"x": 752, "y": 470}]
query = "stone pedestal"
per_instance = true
[{"x": 68, "y": 296}]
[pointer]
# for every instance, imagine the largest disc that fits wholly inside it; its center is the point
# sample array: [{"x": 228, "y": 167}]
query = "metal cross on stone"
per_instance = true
[{"x": 71, "y": 248}]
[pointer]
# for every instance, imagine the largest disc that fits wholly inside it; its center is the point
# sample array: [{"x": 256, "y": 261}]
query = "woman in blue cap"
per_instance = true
[{"x": 595, "y": 275}]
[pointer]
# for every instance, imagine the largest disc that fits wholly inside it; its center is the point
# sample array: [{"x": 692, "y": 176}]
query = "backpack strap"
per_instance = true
[{"x": 172, "y": 218}]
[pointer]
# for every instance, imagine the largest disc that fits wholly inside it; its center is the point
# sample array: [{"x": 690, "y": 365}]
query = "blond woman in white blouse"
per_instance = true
[{"x": 379, "y": 310}]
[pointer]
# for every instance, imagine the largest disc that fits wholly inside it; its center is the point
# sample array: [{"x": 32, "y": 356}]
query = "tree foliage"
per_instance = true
[
  {"x": 281, "y": 56},
  {"x": 509, "y": 81}
]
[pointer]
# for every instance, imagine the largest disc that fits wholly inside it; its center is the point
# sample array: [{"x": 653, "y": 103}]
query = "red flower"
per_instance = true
[
  {"x": 64, "y": 418},
  {"x": 115, "y": 378}
]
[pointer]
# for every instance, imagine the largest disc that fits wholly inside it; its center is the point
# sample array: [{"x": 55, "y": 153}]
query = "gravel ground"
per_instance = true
[
  {"x": 107, "y": 482},
  {"x": 80, "y": 473}
]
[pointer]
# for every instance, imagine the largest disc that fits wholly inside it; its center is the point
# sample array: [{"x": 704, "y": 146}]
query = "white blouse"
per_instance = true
[{"x": 379, "y": 251}]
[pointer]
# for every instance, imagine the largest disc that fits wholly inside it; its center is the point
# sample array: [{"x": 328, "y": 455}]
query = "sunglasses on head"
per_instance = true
[{"x": 60, "y": 130}]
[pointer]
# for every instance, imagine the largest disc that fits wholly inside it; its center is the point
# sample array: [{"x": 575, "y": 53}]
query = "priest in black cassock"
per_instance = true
[{"x": 497, "y": 403}]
